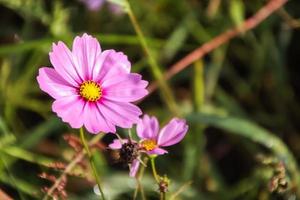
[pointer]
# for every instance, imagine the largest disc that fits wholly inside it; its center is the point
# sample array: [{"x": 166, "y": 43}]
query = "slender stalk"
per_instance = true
[
  {"x": 166, "y": 91},
  {"x": 120, "y": 138},
  {"x": 180, "y": 190},
  {"x": 92, "y": 163},
  {"x": 162, "y": 196},
  {"x": 139, "y": 184},
  {"x": 156, "y": 176},
  {"x": 129, "y": 133}
]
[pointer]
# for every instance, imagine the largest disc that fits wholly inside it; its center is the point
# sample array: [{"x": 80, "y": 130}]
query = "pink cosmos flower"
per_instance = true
[
  {"x": 91, "y": 87},
  {"x": 95, "y": 5},
  {"x": 152, "y": 139}
]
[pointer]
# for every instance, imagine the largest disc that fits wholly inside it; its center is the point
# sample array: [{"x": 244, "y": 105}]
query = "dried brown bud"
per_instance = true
[
  {"x": 273, "y": 184},
  {"x": 129, "y": 152},
  {"x": 279, "y": 169},
  {"x": 163, "y": 184}
]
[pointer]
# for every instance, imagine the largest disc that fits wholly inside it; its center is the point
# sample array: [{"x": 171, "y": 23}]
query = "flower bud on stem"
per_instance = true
[{"x": 163, "y": 182}]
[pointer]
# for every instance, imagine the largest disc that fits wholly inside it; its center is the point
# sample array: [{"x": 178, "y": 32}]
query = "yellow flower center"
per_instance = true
[
  {"x": 90, "y": 91},
  {"x": 149, "y": 144}
]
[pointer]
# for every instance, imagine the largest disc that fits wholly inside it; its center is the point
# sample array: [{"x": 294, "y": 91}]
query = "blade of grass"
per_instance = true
[
  {"x": 26, "y": 155},
  {"x": 166, "y": 91},
  {"x": 104, "y": 38},
  {"x": 22, "y": 186},
  {"x": 34, "y": 136},
  {"x": 199, "y": 85},
  {"x": 250, "y": 130},
  {"x": 10, "y": 178}
]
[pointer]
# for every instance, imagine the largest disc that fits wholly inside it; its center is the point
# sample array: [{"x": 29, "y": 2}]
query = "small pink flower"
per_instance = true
[
  {"x": 95, "y": 5},
  {"x": 91, "y": 87},
  {"x": 152, "y": 139}
]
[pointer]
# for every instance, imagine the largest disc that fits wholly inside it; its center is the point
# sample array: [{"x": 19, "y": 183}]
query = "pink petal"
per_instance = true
[
  {"x": 86, "y": 50},
  {"x": 114, "y": 116},
  {"x": 94, "y": 121},
  {"x": 53, "y": 84},
  {"x": 119, "y": 59},
  {"x": 172, "y": 133},
  {"x": 64, "y": 63},
  {"x": 116, "y": 144},
  {"x": 134, "y": 168},
  {"x": 157, "y": 151},
  {"x": 93, "y": 5},
  {"x": 70, "y": 109},
  {"x": 110, "y": 63},
  {"x": 127, "y": 87},
  {"x": 116, "y": 9},
  {"x": 147, "y": 127},
  {"x": 121, "y": 114}
]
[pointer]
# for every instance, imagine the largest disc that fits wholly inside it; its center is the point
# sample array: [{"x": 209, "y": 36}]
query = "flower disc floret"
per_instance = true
[
  {"x": 90, "y": 91},
  {"x": 149, "y": 144}
]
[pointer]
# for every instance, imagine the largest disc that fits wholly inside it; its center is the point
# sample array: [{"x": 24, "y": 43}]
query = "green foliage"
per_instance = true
[{"x": 240, "y": 100}]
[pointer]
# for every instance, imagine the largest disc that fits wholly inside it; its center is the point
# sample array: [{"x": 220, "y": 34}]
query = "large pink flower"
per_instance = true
[
  {"x": 152, "y": 139},
  {"x": 91, "y": 87}
]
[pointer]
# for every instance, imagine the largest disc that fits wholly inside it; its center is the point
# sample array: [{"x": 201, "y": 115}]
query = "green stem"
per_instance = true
[
  {"x": 129, "y": 133},
  {"x": 156, "y": 176},
  {"x": 138, "y": 179},
  {"x": 166, "y": 91},
  {"x": 92, "y": 163},
  {"x": 162, "y": 196}
]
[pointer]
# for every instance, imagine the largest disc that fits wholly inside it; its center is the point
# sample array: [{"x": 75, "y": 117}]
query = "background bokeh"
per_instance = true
[{"x": 241, "y": 100}]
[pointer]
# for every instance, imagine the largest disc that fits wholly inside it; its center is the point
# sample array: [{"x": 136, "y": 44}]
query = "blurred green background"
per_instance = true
[{"x": 241, "y": 100}]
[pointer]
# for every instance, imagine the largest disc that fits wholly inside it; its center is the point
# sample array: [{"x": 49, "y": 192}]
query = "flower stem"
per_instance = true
[
  {"x": 158, "y": 179},
  {"x": 162, "y": 196},
  {"x": 156, "y": 176},
  {"x": 139, "y": 184},
  {"x": 91, "y": 159}
]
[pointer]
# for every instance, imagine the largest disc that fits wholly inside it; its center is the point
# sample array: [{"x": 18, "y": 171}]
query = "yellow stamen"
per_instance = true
[
  {"x": 148, "y": 144},
  {"x": 90, "y": 91}
]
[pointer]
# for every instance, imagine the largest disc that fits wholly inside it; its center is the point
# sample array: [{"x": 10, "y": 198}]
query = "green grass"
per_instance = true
[{"x": 241, "y": 100}]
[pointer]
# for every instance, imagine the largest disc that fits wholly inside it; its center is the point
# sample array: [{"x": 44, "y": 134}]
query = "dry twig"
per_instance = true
[
  {"x": 79, "y": 156},
  {"x": 223, "y": 38}
]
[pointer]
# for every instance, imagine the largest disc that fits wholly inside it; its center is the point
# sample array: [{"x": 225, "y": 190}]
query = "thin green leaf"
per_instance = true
[
  {"x": 250, "y": 130},
  {"x": 27, "y": 156},
  {"x": 176, "y": 40},
  {"x": 237, "y": 11}
]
